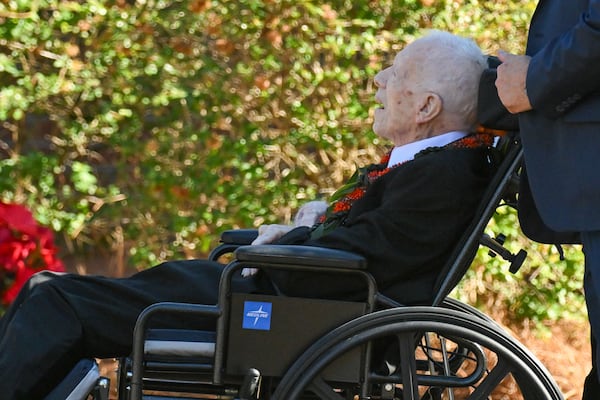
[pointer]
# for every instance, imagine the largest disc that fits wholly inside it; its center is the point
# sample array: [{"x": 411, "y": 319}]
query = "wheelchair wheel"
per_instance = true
[
  {"x": 436, "y": 353},
  {"x": 453, "y": 304}
]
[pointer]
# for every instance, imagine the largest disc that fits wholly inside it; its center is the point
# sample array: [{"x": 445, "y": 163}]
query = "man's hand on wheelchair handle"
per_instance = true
[{"x": 511, "y": 82}]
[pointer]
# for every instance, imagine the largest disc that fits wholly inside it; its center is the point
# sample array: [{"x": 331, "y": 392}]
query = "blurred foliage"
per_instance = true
[{"x": 140, "y": 129}]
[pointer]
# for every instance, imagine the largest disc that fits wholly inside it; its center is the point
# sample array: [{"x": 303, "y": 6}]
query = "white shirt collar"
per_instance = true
[{"x": 408, "y": 151}]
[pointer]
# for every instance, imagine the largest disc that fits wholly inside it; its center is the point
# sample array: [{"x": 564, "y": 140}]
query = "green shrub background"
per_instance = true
[{"x": 141, "y": 129}]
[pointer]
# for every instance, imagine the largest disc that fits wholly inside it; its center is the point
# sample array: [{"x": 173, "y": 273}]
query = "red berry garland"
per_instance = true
[{"x": 355, "y": 189}]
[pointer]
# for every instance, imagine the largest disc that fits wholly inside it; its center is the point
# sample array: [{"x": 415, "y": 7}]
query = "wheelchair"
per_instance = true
[{"x": 287, "y": 348}]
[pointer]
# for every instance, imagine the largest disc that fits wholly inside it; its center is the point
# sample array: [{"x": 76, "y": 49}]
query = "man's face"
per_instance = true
[{"x": 395, "y": 119}]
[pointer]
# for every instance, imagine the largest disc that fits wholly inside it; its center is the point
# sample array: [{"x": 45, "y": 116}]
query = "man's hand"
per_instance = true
[
  {"x": 511, "y": 80},
  {"x": 270, "y": 233},
  {"x": 267, "y": 234},
  {"x": 309, "y": 213}
]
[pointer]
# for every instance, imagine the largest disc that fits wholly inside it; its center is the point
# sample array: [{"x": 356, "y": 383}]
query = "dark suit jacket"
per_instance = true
[
  {"x": 561, "y": 136},
  {"x": 406, "y": 226}
]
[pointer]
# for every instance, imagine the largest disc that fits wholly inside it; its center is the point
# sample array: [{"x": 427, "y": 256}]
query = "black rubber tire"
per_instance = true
[{"x": 532, "y": 377}]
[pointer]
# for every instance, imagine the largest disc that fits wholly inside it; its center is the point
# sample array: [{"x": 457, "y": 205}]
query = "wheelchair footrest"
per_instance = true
[{"x": 79, "y": 383}]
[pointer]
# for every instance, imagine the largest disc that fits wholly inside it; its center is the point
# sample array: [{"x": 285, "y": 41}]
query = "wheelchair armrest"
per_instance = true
[
  {"x": 231, "y": 240},
  {"x": 303, "y": 255},
  {"x": 239, "y": 236}
]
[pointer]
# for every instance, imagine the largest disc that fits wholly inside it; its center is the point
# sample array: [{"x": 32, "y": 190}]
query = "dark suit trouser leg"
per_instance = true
[
  {"x": 57, "y": 320},
  {"x": 591, "y": 388},
  {"x": 43, "y": 332},
  {"x": 591, "y": 283}
]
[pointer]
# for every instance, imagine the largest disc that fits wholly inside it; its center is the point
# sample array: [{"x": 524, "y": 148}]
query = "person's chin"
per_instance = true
[
  {"x": 375, "y": 130},
  {"x": 379, "y": 129},
  {"x": 377, "y": 122}
]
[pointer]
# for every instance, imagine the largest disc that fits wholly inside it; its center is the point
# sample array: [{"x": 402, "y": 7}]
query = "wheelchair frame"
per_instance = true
[{"x": 441, "y": 351}]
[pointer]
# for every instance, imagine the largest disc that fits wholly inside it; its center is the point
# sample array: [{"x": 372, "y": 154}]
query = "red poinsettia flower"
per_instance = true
[{"x": 25, "y": 248}]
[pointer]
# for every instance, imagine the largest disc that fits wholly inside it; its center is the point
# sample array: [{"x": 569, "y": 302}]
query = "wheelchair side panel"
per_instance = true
[{"x": 269, "y": 332}]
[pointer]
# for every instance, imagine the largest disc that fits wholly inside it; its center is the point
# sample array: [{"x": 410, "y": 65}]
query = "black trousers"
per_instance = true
[
  {"x": 58, "y": 319},
  {"x": 591, "y": 283},
  {"x": 591, "y": 388}
]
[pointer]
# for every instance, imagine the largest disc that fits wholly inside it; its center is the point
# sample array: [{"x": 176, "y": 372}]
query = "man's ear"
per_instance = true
[{"x": 431, "y": 106}]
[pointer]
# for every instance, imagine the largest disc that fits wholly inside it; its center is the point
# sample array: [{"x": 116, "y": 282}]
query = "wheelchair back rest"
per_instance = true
[
  {"x": 269, "y": 333},
  {"x": 493, "y": 116}
]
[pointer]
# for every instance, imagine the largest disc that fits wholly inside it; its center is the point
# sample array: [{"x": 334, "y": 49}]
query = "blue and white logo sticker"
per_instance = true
[{"x": 257, "y": 315}]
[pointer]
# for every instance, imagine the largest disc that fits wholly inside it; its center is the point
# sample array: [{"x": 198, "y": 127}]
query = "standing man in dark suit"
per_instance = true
[
  {"x": 555, "y": 88},
  {"x": 404, "y": 215}
]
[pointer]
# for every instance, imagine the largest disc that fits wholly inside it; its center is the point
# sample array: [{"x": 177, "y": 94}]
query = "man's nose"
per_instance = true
[{"x": 381, "y": 78}]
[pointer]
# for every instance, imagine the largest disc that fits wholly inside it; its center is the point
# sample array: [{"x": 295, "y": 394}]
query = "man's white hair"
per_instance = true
[{"x": 451, "y": 66}]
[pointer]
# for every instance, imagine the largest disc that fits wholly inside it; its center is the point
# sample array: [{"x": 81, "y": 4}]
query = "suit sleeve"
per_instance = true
[{"x": 567, "y": 69}]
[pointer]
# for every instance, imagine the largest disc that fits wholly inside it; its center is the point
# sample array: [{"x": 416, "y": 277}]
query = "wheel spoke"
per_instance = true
[
  {"x": 408, "y": 366},
  {"x": 491, "y": 381},
  {"x": 322, "y": 389}
]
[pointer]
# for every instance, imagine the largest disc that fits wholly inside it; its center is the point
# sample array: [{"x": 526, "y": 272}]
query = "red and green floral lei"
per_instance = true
[{"x": 343, "y": 199}]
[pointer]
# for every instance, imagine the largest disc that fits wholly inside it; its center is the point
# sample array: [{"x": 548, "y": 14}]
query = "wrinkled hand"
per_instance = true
[
  {"x": 309, "y": 213},
  {"x": 270, "y": 233},
  {"x": 267, "y": 234},
  {"x": 511, "y": 82}
]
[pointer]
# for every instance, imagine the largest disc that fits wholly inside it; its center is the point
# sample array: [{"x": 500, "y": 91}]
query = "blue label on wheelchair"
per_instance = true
[{"x": 257, "y": 315}]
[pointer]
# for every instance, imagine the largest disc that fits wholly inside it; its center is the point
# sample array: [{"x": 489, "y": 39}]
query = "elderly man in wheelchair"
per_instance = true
[{"x": 318, "y": 309}]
